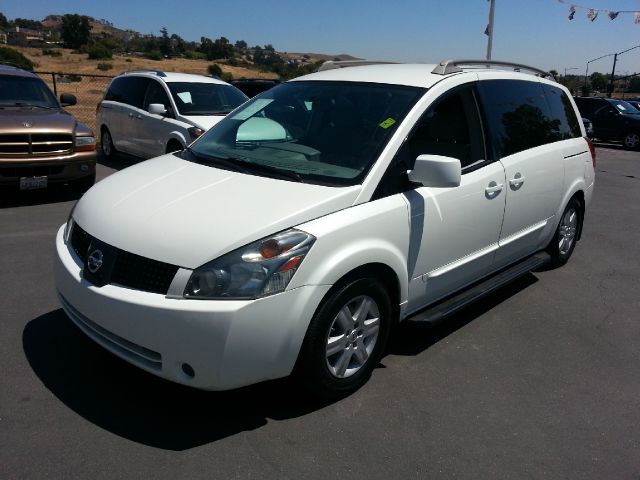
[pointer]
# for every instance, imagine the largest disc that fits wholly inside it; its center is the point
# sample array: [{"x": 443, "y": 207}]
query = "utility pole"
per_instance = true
[
  {"x": 490, "y": 28},
  {"x": 613, "y": 72}
]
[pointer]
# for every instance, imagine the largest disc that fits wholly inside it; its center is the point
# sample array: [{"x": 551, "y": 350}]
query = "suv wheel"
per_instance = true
[
  {"x": 346, "y": 339},
  {"x": 631, "y": 140},
  {"x": 106, "y": 143},
  {"x": 174, "y": 146}
]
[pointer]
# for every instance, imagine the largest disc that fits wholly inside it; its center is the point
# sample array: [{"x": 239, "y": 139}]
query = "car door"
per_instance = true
[
  {"x": 524, "y": 138},
  {"x": 454, "y": 231},
  {"x": 130, "y": 114},
  {"x": 153, "y": 129}
]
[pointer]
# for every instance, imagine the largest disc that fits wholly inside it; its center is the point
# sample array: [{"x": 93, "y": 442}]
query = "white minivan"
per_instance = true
[
  {"x": 149, "y": 112},
  {"x": 294, "y": 235}
]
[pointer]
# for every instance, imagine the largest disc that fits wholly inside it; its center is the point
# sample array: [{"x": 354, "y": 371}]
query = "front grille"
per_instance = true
[
  {"x": 35, "y": 144},
  {"x": 130, "y": 270}
]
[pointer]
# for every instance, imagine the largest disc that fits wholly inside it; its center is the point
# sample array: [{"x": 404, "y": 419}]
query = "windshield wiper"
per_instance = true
[
  {"x": 218, "y": 161},
  {"x": 271, "y": 171},
  {"x": 29, "y": 105}
]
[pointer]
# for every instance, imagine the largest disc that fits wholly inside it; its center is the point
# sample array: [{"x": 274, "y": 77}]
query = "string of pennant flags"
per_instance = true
[{"x": 593, "y": 13}]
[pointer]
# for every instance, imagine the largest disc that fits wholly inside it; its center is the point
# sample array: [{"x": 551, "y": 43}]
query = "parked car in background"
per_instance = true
[
  {"x": 613, "y": 120},
  {"x": 148, "y": 113},
  {"x": 296, "y": 233},
  {"x": 254, "y": 86},
  {"x": 588, "y": 127},
  {"x": 41, "y": 144},
  {"x": 635, "y": 103}
]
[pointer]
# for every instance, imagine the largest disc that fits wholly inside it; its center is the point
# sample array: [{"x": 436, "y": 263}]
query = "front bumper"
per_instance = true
[
  {"x": 58, "y": 170},
  {"x": 228, "y": 344}
]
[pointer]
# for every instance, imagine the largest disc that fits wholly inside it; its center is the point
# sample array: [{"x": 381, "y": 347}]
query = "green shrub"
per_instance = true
[
  {"x": 192, "y": 55},
  {"x": 99, "y": 52},
  {"x": 53, "y": 53},
  {"x": 153, "y": 55},
  {"x": 10, "y": 55},
  {"x": 227, "y": 76},
  {"x": 214, "y": 69},
  {"x": 128, "y": 60},
  {"x": 105, "y": 66}
]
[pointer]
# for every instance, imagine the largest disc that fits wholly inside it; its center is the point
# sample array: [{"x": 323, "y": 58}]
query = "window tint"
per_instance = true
[
  {"x": 128, "y": 90},
  {"x": 451, "y": 127},
  {"x": 518, "y": 115},
  {"x": 156, "y": 94},
  {"x": 562, "y": 110}
]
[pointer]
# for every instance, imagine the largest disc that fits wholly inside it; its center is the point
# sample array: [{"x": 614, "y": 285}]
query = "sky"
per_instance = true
[{"x": 533, "y": 32}]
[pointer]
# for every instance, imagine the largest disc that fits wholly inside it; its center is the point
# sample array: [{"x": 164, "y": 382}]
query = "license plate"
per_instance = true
[{"x": 31, "y": 183}]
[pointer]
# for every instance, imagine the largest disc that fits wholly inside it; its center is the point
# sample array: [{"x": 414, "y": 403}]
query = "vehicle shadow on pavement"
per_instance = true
[
  {"x": 412, "y": 338},
  {"x": 143, "y": 408}
]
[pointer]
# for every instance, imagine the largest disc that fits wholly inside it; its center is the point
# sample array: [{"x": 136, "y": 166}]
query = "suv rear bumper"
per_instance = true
[{"x": 58, "y": 170}]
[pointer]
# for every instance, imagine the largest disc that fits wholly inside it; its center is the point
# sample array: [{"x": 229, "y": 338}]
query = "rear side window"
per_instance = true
[
  {"x": 129, "y": 90},
  {"x": 562, "y": 110},
  {"x": 518, "y": 115}
]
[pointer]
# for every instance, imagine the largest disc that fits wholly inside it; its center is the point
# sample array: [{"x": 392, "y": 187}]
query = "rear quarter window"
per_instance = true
[
  {"x": 518, "y": 116},
  {"x": 129, "y": 90},
  {"x": 562, "y": 110}
]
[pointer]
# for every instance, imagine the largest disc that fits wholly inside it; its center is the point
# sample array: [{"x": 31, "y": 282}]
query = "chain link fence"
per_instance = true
[{"x": 87, "y": 88}]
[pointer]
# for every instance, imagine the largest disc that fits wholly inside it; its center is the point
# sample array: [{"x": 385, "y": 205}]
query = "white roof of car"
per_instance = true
[
  {"x": 170, "y": 77},
  {"x": 414, "y": 75}
]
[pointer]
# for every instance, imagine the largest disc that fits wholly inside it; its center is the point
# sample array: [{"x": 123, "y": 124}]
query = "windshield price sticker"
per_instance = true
[{"x": 387, "y": 123}]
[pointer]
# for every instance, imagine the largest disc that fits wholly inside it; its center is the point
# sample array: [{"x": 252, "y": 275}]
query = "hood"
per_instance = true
[
  {"x": 187, "y": 214},
  {"x": 14, "y": 120},
  {"x": 205, "y": 122}
]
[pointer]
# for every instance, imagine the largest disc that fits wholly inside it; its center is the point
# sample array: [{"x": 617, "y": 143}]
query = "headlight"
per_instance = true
[
  {"x": 83, "y": 144},
  {"x": 69, "y": 226},
  {"x": 195, "y": 132},
  {"x": 262, "y": 268}
]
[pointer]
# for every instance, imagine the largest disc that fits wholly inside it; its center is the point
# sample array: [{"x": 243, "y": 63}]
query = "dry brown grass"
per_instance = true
[{"x": 89, "y": 91}]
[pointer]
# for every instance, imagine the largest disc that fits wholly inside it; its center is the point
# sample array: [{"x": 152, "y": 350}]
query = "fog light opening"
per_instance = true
[{"x": 188, "y": 370}]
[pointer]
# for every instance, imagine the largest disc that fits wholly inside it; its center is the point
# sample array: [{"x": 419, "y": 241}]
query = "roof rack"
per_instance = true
[
  {"x": 159, "y": 73},
  {"x": 333, "y": 64},
  {"x": 447, "y": 67}
]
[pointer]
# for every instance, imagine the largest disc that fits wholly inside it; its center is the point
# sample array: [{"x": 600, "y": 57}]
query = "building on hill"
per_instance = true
[{"x": 23, "y": 36}]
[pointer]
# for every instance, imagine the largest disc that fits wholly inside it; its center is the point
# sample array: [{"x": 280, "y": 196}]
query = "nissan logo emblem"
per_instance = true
[{"x": 94, "y": 262}]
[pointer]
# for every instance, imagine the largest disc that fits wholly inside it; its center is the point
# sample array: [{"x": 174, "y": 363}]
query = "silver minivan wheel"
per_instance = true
[
  {"x": 352, "y": 336},
  {"x": 107, "y": 143},
  {"x": 567, "y": 230}
]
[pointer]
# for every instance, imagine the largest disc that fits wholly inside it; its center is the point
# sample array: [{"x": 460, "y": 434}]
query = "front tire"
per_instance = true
[
  {"x": 106, "y": 144},
  {"x": 631, "y": 141},
  {"x": 566, "y": 236},
  {"x": 345, "y": 339}
]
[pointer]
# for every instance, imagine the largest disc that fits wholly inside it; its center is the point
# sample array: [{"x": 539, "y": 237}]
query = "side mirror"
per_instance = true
[
  {"x": 436, "y": 171},
  {"x": 157, "y": 109},
  {"x": 68, "y": 99}
]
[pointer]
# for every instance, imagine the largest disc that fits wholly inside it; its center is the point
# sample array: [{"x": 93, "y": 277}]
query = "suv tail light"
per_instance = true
[{"x": 592, "y": 150}]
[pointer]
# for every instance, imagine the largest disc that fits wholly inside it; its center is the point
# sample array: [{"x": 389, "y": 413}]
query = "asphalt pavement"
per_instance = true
[{"x": 541, "y": 380}]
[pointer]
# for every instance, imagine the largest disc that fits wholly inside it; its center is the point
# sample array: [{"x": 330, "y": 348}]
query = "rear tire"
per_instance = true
[
  {"x": 345, "y": 339},
  {"x": 566, "y": 236},
  {"x": 174, "y": 146}
]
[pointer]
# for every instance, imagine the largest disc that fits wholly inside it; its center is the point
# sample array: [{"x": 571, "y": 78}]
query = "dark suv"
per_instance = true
[
  {"x": 612, "y": 119},
  {"x": 40, "y": 143}
]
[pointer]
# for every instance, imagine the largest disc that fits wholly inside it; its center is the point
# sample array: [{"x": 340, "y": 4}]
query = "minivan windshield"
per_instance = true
[
  {"x": 193, "y": 98},
  {"x": 24, "y": 92},
  {"x": 311, "y": 131}
]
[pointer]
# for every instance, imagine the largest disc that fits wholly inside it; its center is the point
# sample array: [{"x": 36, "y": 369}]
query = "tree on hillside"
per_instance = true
[
  {"x": 216, "y": 49},
  {"x": 4, "y": 23},
  {"x": 598, "y": 81},
  {"x": 26, "y": 23},
  {"x": 76, "y": 30},
  {"x": 165, "y": 42}
]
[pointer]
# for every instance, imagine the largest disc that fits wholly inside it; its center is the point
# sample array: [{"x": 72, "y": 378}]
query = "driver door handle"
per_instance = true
[
  {"x": 493, "y": 189},
  {"x": 517, "y": 181}
]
